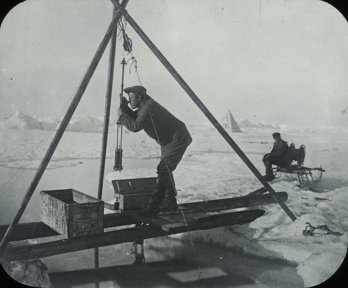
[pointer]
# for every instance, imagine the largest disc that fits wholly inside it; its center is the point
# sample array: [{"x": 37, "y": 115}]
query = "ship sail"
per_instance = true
[{"x": 233, "y": 124}]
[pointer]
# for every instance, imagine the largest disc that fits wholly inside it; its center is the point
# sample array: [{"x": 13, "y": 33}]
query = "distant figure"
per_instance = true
[
  {"x": 276, "y": 157},
  {"x": 168, "y": 131}
]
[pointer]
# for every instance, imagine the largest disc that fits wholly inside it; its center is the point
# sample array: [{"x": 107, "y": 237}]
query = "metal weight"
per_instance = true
[{"x": 118, "y": 160}]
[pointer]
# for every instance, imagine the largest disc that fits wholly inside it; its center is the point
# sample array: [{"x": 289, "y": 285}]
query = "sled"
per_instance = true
[{"x": 306, "y": 176}]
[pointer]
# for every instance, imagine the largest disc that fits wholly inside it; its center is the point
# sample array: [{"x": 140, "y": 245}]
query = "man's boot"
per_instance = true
[
  {"x": 169, "y": 203},
  {"x": 269, "y": 175},
  {"x": 152, "y": 207}
]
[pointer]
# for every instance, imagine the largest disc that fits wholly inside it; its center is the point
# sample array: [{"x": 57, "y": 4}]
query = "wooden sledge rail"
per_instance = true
[
  {"x": 174, "y": 223},
  {"x": 311, "y": 169},
  {"x": 22, "y": 250},
  {"x": 33, "y": 230},
  {"x": 234, "y": 203},
  {"x": 199, "y": 212}
]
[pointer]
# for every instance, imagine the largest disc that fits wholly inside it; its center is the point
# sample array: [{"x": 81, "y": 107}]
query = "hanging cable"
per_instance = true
[
  {"x": 128, "y": 46},
  {"x": 133, "y": 62},
  {"x": 118, "y": 151},
  {"x": 181, "y": 211},
  {"x": 127, "y": 42}
]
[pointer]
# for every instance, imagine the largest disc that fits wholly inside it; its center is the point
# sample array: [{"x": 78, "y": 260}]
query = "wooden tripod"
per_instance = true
[{"x": 111, "y": 34}]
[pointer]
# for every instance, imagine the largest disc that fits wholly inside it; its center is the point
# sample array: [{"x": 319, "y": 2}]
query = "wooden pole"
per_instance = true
[
  {"x": 106, "y": 123},
  {"x": 107, "y": 111},
  {"x": 203, "y": 108},
  {"x": 60, "y": 131}
]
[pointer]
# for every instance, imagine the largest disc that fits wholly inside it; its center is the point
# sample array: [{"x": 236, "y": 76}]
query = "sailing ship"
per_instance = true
[{"x": 231, "y": 123}]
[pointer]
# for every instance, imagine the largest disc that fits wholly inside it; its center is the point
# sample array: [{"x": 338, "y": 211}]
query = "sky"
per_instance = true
[{"x": 274, "y": 61}]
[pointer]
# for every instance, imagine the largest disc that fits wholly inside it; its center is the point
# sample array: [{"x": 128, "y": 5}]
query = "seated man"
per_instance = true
[
  {"x": 168, "y": 131},
  {"x": 276, "y": 157}
]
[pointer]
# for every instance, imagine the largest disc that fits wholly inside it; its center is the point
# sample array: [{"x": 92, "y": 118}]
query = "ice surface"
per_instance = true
[{"x": 210, "y": 169}]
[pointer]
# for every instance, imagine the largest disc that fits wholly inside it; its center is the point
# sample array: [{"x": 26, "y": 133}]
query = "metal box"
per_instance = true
[
  {"x": 72, "y": 213},
  {"x": 133, "y": 194}
]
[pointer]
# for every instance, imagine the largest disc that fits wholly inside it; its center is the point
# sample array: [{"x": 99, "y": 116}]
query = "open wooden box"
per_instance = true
[{"x": 72, "y": 213}]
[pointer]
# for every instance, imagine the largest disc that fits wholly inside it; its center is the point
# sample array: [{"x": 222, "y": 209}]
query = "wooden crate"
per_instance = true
[
  {"x": 133, "y": 194},
  {"x": 72, "y": 213}
]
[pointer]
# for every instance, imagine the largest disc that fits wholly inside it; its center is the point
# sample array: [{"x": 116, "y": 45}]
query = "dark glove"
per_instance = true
[{"x": 124, "y": 104}]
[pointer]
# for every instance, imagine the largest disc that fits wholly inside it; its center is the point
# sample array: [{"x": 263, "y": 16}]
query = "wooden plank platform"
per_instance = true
[
  {"x": 175, "y": 222},
  {"x": 22, "y": 250},
  {"x": 35, "y": 230},
  {"x": 200, "y": 217},
  {"x": 234, "y": 203}
]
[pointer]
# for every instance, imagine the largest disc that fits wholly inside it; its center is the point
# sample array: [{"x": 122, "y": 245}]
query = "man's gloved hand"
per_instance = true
[
  {"x": 124, "y": 103},
  {"x": 120, "y": 112},
  {"x": 123, "y": 107}
]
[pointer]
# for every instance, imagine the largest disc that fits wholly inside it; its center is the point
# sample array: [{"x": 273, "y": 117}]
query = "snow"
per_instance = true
[
  {"x": 20, "y": 120},
  {"x": 210, "y": 169},
  {"x": 30, "y": 272},
  {"x": 86, "y": 124},
  {"x": 248, "y": 124},
  {"x": 89, "y": 124}
]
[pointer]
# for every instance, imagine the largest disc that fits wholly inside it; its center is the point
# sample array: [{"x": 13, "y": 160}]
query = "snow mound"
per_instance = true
[
  {"x": 87, "y": 124},
  {"x": 22, "y": 121},
  {"x": 248, "y": 124},
  {"x": 319, "y": 267},
  {"x": 30, "y": 272}
]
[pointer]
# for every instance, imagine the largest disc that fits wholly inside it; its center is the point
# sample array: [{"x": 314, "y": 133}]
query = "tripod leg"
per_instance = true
[{"x": 139, "y": 257}]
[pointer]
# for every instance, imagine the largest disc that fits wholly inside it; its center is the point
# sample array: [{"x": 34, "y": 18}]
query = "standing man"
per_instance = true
[
  {"x": 168, "y": 131},
  {"x": 276, "y": 157}
]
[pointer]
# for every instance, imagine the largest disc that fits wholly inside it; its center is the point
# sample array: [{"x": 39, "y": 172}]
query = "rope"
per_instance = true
[
  {"x": 181, "y": 210},
  {"x": 310, "y": 230},
  {"x": 135, "y": 62},
  {"x": 128, "y": 47},
  {"x": 127, "y": 42}
]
